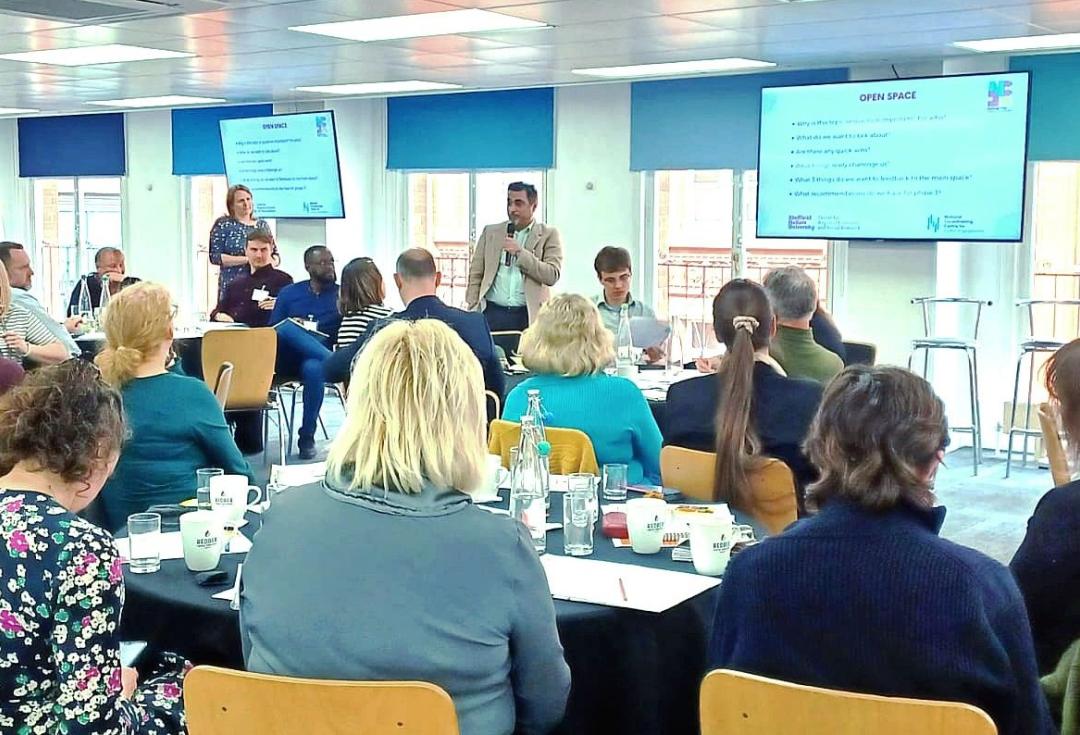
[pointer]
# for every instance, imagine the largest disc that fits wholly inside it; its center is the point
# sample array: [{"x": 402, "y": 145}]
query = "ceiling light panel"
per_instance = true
[
  {"x": 1022, "y": 43},
  {"x": 419, "y": 25},
  {"x": 166, "y": 100},
  {"x": 676, "y": 68},
  {"x": 378, "y": 87},
  {"x": 111, "y": 53}
]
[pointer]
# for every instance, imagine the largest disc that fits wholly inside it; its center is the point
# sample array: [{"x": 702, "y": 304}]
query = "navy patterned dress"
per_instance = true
[
  {"x": 61, "y": 591},
  {"x": 228, "y": 236}
]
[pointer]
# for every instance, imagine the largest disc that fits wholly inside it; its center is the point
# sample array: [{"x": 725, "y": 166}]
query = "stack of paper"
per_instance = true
[
  {"x": 295, "y": 475},
  {"x": 621, "y": 585}
]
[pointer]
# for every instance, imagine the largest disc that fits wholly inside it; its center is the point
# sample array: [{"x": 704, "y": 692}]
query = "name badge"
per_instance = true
[
  {"x": 310, "y": 326},
  {"x": 260, "y": 294}
]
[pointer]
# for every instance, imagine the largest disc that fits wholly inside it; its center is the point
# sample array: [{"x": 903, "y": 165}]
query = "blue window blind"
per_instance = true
[
  {"x": 706, "y": 122},
  {"x": 1055, "y": 87},
  {"x": 196, "y": 138},
  {"x": 72, "y": 145},
  {"x": 513, "y": 129}
]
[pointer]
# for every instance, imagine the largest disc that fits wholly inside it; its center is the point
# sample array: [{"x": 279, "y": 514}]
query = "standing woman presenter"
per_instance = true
[{"x": 228, "y": 236}]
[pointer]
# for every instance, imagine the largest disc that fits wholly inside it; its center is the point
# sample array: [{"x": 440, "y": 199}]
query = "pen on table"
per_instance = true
[{"x": 622, "y": 589}]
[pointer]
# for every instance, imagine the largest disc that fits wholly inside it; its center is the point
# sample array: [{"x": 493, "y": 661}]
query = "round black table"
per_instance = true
[{"x": 632, "y": 672}]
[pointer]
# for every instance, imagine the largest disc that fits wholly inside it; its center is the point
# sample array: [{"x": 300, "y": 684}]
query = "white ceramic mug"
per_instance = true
[
  {"x": 711, "y": 537},
  {"x": 202, "y": 534},
  {"x": 229, "y": 496},
  {"x": 646, "y": 519},
  {"x": 496, "y": 474}
]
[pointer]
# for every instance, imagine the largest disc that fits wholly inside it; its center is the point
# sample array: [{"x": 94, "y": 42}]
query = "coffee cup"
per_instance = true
[
  {"x": 646, "y": 519},
  {"x": 202, "y": 536},
  {"x": 711, "y": 538},
  {"x": 229, "y": 496},
  {"x": 495, "y": 476}
]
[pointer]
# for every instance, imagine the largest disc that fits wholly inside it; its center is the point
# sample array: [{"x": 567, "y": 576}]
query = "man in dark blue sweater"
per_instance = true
[
  {"x": 417, "y": 280},
  {"x": 865, "y": 596}
]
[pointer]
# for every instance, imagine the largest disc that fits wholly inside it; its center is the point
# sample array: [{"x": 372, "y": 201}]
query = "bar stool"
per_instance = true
[
  {"x": 1029, "y": 348},
  {"x": 927, "y": 342}
]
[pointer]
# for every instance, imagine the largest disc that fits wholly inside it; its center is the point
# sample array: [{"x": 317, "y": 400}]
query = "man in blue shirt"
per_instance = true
[{"x": 306, "y": 319}]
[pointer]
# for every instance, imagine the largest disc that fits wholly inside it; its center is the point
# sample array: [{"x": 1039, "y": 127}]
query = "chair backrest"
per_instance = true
[
  {"x": 493, "y": 405},
  {"x": 859, "y": 353},
  {"x": 252, "y": 353},
  {"x": 734, "y": 703},
  {"x": 1055, "y": 450},
  {"x": 927, "y": 303},
  {"x": 242, "y": 703},
  {"x": 223, "y": 384},
  {"x": 772, "y": 485},
  {"x": 571, "y": 450}
]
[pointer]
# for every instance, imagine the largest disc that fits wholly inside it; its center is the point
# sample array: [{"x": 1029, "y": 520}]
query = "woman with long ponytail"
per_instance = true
[
  {"x": 175, "y": 423},
  {"x": 749, "y": 409}
]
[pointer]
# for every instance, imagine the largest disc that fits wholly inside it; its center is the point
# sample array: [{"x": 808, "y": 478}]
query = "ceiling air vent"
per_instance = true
[{"x": 104, "y": 11}]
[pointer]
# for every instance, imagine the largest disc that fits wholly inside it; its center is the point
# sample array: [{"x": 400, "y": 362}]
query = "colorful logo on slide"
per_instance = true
[
  {"x": 933, "y": 224},
  {"x": 998, "y": 94},
  {"x": 322, "y": 126}
]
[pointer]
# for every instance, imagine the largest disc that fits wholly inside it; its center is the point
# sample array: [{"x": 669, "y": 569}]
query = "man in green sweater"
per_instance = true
[{"x": 794, "y": 298}]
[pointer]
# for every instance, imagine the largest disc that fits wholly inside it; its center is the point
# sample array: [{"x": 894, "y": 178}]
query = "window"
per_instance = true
[
  {"x": 205, "y": 203},
  {"x": 703, "y": 225},
  {"x": 73, "y": 219},
  {"x": 447, "y": 212}
]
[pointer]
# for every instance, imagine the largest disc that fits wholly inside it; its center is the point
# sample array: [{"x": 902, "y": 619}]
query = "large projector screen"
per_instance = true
[
  {"x": 290, "y": 163},
  {"x": 939, "y": 158}
]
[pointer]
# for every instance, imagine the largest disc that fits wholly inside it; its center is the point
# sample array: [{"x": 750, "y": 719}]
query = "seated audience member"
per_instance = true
[
  {"x": 794, "y": 298},
  {"x": 750, "y": 408},
  {"x": 24, "y": 336},
  {"x": 864, "y": 596},
  {"x": 360, "y": 300},
  {"x": 108, "y": 266},
  {"x": 11, "y": 374},
  {"x": 251, "y": 297},
  {"x": 450, "y": 594},
  {"x": 612, "y": 266},
  {"x": 301, "y": 353},
  {"x": 175, "y": 422},
  {"x": 20, "y": 274},
  {"x": 60, "y": 434},
  {"x": 417, "y": 280},
  {"x": 568, "y": 348},
  {"x": 1047, "y": 564}
]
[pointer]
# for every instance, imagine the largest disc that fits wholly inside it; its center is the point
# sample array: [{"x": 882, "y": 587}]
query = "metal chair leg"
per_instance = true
[
  {"x": 976, "y": 413},
  {"x": 281, "y": 433},
  {"x": 1012, "y": 418},
  {"x": 1027, "y": 408}
]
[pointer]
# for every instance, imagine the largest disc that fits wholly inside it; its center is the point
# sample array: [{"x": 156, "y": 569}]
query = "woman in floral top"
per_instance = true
[
  {"x": 228, "y": 236},
  {"x": 61, "y": 583}
]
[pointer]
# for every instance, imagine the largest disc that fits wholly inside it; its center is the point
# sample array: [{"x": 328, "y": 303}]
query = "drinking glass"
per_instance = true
[
  {"x": 579, "y": 502},
  {"x": 144, "y": 542},
  {"x": 202, "y": 485},
  {"x": 614, "y": 482},
  {"x": 273, "y": 489}
]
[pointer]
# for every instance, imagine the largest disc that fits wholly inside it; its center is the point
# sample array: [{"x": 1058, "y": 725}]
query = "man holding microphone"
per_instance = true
[{"x": 514, "y": 264}]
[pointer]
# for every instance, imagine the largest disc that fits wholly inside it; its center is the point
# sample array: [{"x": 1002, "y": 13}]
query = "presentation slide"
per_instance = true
[
  {"x": 290, "y": 163},
  {"x": 906, "y": 159}
]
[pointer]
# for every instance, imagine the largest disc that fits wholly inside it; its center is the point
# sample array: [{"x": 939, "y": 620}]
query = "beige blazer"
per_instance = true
[{"x": 540, "y": 261}]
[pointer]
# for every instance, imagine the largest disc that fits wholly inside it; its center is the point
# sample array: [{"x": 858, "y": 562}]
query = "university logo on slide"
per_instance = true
[
  {"x": 997, "y": 94},
  {"x": 933, "y": 223},
  {"x": 321, "y": 126}
]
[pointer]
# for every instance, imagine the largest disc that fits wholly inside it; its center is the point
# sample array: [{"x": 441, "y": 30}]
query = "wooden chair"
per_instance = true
[
  {"x": 240, "y": 703},
  {"x": 733, "y": 703},
  {"x": 252, "y": 353},
  {"x": 223, "y": 384},
  {"x": 772, "y": 485},
  {"x": 571, "y": 450},
  {"x": 494, "y": 405},
  {"x": 1055, "y": 450}
]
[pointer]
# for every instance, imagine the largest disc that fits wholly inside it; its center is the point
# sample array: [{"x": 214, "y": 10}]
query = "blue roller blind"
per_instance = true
[
  {"x": 513, "y": 129},
  {"x": 705, "y": 122},
  {"x": 196, "y": 139},
  {"x": 1055, "y": 116},
  {"x": 72, "y": 145}
]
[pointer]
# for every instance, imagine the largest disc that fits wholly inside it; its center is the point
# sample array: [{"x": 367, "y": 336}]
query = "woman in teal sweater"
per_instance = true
[
  {"x": 175, "y": 423},
  {"x": 568, "y": 348}
]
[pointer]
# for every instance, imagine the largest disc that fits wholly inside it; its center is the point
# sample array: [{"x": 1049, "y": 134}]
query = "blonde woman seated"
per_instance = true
[
  {"x": 569, "y": 347},
  {"x": 397, "y": 573},
  {"x": 22, "y": 335},
  {"x": 175, "y": 422}
]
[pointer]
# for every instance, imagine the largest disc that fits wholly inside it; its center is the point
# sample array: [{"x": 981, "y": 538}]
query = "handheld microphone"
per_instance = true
[{"x": 508, "y": 259}]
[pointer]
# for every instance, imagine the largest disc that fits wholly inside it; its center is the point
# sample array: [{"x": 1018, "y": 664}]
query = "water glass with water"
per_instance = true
[
  {"x": 144, "y": 542},
  {"x": 614, "y": 483},
  {"x": 202, "y": 485},
  {"x": 579, "y": 500}
]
